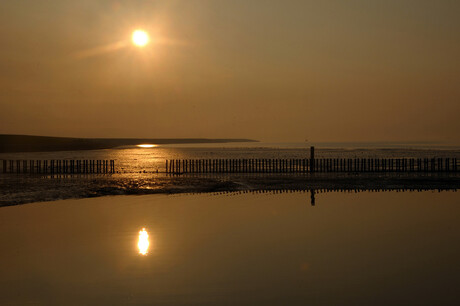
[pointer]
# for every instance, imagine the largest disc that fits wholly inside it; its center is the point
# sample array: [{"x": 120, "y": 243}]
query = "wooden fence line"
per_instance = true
[
  {"x": 311, "y": 165},
  {"x": 306, "y": 165},
  {"x": 58, "y": 166}
]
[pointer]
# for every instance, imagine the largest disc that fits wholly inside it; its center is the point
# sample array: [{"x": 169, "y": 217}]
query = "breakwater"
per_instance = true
[
  {"x": 312, "y": 165},
  {"x": 58, "y": 166}
]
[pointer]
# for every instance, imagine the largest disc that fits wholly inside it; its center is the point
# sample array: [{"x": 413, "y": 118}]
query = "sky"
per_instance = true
[{"x": 271, "y": 70}]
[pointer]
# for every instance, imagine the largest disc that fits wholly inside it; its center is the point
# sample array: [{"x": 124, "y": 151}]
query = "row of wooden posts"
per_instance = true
[
  {"x": 59, "y": 166},
  {"x": 312, "y": 165}
]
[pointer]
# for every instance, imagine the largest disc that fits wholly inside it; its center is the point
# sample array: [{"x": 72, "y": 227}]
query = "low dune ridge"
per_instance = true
[{"x": 27, "y": 143}]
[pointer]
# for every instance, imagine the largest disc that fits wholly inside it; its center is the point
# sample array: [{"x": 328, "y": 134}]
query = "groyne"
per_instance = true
[
  {"x": 321, "y": 165},
  {"x": 58, "y": 166}
]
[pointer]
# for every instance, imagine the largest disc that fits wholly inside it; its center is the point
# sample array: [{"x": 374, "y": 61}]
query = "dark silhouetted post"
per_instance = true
[{"x": 312, "y": 159}]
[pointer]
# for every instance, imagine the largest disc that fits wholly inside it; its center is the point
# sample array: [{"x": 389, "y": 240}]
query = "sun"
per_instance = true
[{"x": 140, "y": 38}]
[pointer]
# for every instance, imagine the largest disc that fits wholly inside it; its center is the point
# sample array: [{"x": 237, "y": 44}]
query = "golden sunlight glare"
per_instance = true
[
  {"x": 143, "y": 243},
  {"x": 146, "y": 146},
  {"x": 140, "y": 38}
]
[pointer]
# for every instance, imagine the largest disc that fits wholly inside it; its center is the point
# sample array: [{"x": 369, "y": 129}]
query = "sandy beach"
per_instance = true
[{"x": 28, "y": 189}]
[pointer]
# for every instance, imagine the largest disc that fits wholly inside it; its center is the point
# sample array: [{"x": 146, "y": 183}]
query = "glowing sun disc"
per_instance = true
[{"x": 140, "y": 38}]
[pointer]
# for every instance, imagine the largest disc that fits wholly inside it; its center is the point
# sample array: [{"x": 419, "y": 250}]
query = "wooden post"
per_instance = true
[{"x": 312, "y": 159}]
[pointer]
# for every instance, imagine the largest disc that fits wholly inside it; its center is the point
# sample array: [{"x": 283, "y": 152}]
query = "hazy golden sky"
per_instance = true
[{"x": 274, "y": 70}]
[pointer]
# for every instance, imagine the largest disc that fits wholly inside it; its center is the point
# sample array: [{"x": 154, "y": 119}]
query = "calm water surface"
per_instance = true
[{"x": 251, "y": 249}]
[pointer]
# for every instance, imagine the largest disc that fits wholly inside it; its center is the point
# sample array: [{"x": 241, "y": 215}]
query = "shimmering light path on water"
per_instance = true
[{"x": 251, "y": 249}]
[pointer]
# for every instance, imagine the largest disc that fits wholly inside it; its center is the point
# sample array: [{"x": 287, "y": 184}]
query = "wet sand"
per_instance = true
[{"x": 27, "y": 189}]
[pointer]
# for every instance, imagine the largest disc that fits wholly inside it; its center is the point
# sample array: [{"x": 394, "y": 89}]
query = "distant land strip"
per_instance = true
[{"x": 27, "y": 143}]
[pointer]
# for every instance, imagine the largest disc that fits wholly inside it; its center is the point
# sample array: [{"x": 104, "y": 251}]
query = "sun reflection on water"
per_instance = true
[
  {"x": 143, "y": 243},
  {"x": 146, "y": 145}
]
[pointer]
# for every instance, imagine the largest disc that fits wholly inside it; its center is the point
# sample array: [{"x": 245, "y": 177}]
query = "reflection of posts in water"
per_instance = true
[{"x": 312, "y": 197}]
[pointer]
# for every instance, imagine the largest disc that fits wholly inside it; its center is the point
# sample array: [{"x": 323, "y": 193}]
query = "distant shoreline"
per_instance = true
[{"x": 27, "y": 143}]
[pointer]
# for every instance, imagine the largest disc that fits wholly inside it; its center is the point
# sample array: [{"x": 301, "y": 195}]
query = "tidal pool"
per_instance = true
[{"x": 398, "y": 248}]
